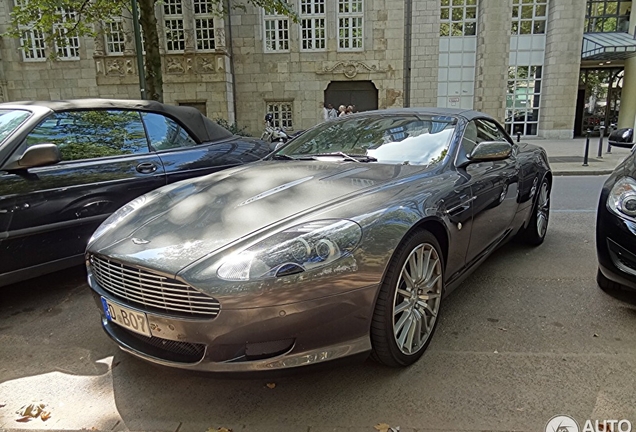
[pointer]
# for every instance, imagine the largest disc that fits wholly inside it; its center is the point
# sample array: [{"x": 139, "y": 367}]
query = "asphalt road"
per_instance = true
[{"x": 528, "y": 336}]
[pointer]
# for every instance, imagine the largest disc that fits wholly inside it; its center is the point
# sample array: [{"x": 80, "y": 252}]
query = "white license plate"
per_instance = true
[{"x": 130, "y": 319}]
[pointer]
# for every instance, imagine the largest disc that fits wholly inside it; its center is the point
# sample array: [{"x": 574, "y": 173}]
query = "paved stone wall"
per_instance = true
[
  {"x": 562, "y": 65},
  {"x": 493, "y": 44},
  {"x": 424, "y": 53},
  {"x": 302, "y": 77}
]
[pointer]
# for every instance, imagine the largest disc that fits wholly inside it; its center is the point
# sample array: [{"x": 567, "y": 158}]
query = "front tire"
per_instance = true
[{"x": 407, "y": 309}]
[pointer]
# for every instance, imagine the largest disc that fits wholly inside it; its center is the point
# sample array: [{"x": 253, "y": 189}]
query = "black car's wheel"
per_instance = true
[
  {"x": 537, "y": 228},
  {"x": 407, "y": 309},
  {"x": 606, "y": 284}
]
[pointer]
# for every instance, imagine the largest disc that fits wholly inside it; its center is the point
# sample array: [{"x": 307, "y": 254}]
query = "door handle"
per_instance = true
[{"x": 146, "y": 168}]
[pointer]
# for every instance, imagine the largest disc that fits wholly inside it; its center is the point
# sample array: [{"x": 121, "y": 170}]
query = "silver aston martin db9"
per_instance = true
[{"x": 343, "y": 242}]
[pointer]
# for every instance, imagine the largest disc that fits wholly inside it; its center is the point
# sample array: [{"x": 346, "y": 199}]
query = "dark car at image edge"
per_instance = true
[
  {"x": 616, "y": 221},
  {"x": 65, "y": 166}
]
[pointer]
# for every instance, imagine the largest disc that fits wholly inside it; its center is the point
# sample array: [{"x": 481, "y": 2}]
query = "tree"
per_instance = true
[{"x": 57, "y": 20}]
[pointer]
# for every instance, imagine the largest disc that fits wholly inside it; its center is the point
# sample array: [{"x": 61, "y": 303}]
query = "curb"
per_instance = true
[{"x": 582, "y": 173}]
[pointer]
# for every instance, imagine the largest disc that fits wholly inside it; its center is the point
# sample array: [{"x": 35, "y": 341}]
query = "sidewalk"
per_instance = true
[{"x": 566, "y": 156}]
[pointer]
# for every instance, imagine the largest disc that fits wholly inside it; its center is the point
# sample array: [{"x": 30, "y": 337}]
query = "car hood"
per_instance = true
[{"x": 182, "y": 223}]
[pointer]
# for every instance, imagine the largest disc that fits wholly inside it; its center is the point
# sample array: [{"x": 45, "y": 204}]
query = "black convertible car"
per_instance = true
[
  {"x": 340, "y": 243},
  {"x": 66, "y": 165},
  {"x": 616, "y": 221}
]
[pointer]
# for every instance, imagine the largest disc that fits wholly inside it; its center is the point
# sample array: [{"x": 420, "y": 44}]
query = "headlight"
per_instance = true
[
  {"x": 304, "y": 247},
  {"x": 117, "y": 217},
  {"x": 622, "y": 198}
]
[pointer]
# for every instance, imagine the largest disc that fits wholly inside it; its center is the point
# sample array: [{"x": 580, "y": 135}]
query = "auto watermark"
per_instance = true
[{"x": 565, "y": 423}]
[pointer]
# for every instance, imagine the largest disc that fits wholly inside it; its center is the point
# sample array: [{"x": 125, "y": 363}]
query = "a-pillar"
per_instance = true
[{"x": 627, "y": 113}]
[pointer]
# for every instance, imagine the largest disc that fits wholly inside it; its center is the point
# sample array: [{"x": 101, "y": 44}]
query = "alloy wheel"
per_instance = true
[
  {"x": 417, "y": 298},
  {"x": 543, "y": 209}
]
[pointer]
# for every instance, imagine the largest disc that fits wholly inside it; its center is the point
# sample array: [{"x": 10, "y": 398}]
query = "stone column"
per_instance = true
[
  {"x": 493, "y": 46},
  {"x": 561, "y": 69},
  {"x": 424, "y": 52},
  {"x": 627, "y": 113}
]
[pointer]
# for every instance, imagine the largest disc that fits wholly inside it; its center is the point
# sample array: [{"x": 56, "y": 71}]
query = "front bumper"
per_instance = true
[
  {"x": 253, "y": 339},
  {"x": 616, "y": 246}
]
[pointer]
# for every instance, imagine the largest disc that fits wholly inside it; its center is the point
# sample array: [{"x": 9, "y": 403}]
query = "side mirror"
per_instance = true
[
  {"x": 622, "y": 138},
  {"x": 38, "y": 155},
  {"x": 489, "y": 151}
]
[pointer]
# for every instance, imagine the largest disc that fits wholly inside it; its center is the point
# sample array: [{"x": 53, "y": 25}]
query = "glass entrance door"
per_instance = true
[{"x": 601, "y": 103}]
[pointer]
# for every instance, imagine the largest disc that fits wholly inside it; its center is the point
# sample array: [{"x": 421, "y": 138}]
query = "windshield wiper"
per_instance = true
[{"x": 353, "y": 157}]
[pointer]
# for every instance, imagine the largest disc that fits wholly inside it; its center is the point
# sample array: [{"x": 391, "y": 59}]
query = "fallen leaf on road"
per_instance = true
[
  {"x": 3, "y": 404},
  {"x": 45, "y": 415},
  {"x": 495, "y": 352},
  {"x": 382, "y": 427},
  {"x": 221, "y": 429},
  {"x": 24, "y": 419},
  {"x": 595, "y": 335},
  {"x": 271, "y": 385},
  {"x": 502, "y": 328}
]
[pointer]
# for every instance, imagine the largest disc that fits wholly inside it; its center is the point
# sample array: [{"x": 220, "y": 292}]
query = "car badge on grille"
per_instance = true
[{"x": 139, "y": 241}]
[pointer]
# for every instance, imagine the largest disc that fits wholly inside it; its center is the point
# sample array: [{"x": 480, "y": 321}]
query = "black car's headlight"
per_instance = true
[
  {"x": 622, "y": 198},
  {"x": 303, "y": 247}
]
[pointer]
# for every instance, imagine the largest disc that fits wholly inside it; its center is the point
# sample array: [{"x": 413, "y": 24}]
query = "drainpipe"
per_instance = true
[
  {"x": 408, "y": 33},
  {"x": 231, "y": 48}
]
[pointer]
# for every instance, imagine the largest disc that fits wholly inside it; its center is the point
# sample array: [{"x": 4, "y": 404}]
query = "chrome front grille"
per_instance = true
[{"x": 151, "y": 291}]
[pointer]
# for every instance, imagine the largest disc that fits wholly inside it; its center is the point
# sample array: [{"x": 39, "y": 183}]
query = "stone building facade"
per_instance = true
[{"x": 519, "y": 61}]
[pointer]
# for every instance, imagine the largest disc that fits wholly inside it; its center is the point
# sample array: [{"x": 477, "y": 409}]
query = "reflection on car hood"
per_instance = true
[{"x": 198, "y": 216}]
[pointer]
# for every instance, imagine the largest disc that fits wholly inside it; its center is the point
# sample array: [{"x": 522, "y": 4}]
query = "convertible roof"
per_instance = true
[
  {"x": 202, "y": 128},
  {"x": 447, "y": 112}
]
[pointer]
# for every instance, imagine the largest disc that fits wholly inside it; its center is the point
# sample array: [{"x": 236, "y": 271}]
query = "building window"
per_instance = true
[
  {"x": 204, "y": 25},
  {"x": 523, "y": 99},
  {"x": 173, "y": 23},
  {"x": 350, "y": 25},
  {"x": 67, "y": 47},
  {"x": 458, "y": 18},
  {"x": 32, "y": 44},
  {"x": 312, "y": 25},
  {"x": 604, "y": 16},
  {"x": 114, "y": 36},
  {"x": 282, "y": 112},
  {"x": 276, "y": 33},
  {"x": 528, "y": 17}
]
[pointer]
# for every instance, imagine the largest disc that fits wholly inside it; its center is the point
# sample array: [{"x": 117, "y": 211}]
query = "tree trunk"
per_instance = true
[{"x": 154, "y": 76}]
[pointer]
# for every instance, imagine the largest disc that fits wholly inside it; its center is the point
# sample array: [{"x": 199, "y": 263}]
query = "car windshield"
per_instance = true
[
  {"x": 10, "y": 120},
  {"x": 416, "y": 140}
]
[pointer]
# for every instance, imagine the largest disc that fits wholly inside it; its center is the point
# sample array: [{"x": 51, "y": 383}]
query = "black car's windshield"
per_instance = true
[
  {"x": 10, "y": 120},
  {"x": 416, "y": 140}
]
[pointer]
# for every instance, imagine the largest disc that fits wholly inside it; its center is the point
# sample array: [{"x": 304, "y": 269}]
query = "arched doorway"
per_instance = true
[{"x": 362, "y": 94}]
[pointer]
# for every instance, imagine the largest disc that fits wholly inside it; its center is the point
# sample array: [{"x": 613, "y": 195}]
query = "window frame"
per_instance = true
[
  {"x": 71, "y": 42},
  {"x": 179, "y": 125},
  {"x": 278, "y": 121},
  {"x": 108, "y": 32},
  {"x": 279, "y": 21},
  {"x": 349, "y": 17},
  {"x": 518, "y": 19},
  {"x": 449, "y": 23},
  {"x": 203, "y": 16},
  {"x": 533, "y": 75},
  {"x": 314, "y": 19},
  {"x": 31, "y": 45},
  {"x": 177, "y": 18},
  {"x": 24, "y": 145}
]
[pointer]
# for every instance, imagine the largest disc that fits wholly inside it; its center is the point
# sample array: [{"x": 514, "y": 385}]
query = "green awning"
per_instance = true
[{"x": 608, "y": 46}]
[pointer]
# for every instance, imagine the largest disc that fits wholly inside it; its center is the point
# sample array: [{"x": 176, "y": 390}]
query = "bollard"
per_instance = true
[
  {"x": 600, "y": 143},
  {"x": 609, "y": 145},
  {"x": 518, "y": 136},
  {"x": 587, "y": 147}
]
